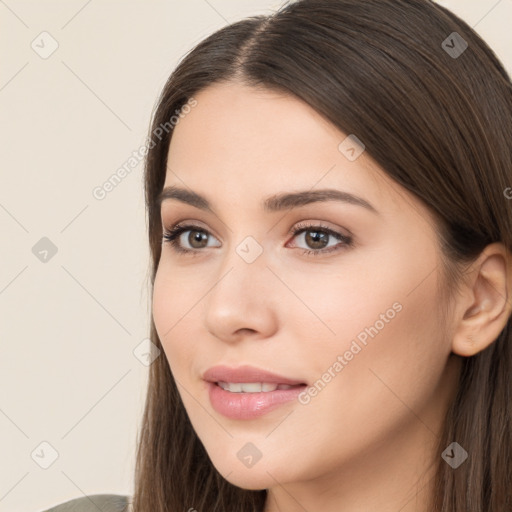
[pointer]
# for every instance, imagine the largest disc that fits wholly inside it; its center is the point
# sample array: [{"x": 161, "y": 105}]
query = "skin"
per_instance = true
[{"x": 367, "y": 440}]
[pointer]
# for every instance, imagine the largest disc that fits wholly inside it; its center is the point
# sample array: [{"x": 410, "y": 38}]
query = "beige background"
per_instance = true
[{"x": 69, "y": 325}]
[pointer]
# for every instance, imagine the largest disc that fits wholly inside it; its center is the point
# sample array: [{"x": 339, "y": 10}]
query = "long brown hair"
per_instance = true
[{"x": 440, "y": 125}]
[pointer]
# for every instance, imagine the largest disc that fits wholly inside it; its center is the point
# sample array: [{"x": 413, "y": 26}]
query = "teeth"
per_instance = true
[{"x": 251, "y": 387}]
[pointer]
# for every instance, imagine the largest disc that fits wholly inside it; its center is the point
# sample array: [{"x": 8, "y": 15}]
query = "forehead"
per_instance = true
[
  {"x": 255, "y": 142},
  {"x": 231, "y": 119}
]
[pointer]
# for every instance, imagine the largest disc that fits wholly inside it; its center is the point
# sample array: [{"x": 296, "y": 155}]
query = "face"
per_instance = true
[{"x": 339, "y": 295}]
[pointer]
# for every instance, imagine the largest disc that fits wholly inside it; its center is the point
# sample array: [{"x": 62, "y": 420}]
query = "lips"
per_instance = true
[
  {"x": 245, "y": 374},
  {"x": 235, "y": 392}
]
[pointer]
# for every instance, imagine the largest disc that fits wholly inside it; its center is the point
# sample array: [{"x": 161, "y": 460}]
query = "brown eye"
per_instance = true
[
  {"x": 316, "y": 239},
  {"x": 197, "y": 238}
]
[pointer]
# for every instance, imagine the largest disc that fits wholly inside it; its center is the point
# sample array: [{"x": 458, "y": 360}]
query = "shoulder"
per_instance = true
[{"x": 94, "y": 503}]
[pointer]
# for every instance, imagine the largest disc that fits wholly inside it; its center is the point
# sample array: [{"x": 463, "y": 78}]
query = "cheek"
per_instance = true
[
  {"x": 162, "y": 303},
  {"x": 172, "y": 306},
  {"x": 393, "y": 357},
  {"x": 388, "y": 349}
]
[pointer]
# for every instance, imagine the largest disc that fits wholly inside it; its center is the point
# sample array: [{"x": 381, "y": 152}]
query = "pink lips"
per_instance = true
[
  {"x": 248, "y": 405},
  {"x": 245, "y": 374}
]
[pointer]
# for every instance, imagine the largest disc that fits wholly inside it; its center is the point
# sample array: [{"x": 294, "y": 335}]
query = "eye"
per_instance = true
[
  {"x": 319, "y": 237},
  {"x": 316, "y": 236},
  {"x": 197, "y": 238}
]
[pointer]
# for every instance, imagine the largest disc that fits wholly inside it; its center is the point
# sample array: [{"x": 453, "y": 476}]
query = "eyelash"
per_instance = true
[{"x": 171, "y": 236}]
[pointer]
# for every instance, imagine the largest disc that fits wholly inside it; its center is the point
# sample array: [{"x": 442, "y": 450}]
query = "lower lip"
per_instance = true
[{"x": 246, "y": 406}]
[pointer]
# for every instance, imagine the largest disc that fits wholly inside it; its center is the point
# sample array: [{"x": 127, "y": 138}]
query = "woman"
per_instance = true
[{"x": 330, "y": 229}]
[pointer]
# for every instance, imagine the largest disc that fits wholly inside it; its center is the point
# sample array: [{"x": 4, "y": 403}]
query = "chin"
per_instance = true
[
  {"x": 255, "y": 478},
  {"x": 246, "y": 479}
]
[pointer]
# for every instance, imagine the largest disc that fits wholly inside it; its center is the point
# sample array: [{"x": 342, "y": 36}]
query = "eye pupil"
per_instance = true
[{"x": 315, "y": 238}]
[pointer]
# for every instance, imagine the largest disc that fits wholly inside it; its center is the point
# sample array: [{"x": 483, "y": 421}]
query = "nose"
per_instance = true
[{"x": 242, "y": 301}]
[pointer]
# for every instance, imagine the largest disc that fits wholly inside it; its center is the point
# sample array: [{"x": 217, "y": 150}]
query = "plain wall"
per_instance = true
[{"x": 70, "y": 321}]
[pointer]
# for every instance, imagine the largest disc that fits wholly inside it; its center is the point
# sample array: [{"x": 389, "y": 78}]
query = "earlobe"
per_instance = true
[{"x": 486, "y": 302}]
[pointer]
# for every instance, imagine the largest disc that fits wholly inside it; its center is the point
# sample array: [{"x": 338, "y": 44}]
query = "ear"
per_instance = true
[{"x": 485, "y": 303}]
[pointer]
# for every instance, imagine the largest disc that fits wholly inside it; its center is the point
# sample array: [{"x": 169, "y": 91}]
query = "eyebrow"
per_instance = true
[{"x": 274, "y": 203}]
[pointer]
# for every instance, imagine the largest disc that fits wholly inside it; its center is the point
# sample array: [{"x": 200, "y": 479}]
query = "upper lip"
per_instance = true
[{"x": 246, "y": 373}]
